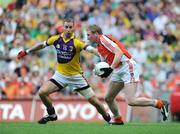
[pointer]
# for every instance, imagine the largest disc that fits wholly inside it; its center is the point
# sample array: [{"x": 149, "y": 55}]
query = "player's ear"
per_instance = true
[{"x": 97, "y": 33}]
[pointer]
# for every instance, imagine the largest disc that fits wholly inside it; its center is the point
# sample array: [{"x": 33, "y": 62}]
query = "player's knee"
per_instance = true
[
  {"x": 130, "y": 101},
  {"x": 131, "y": 104},
  {"x": 42, "y": 93}
]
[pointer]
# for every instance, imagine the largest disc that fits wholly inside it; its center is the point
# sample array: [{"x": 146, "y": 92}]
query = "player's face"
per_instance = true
[
  {"x": 68, "y": 29},
  {"x": 91, "y": 36}
]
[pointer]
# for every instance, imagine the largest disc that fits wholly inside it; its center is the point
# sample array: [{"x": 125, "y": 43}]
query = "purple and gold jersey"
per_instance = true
[{"x": 68, "y": 54}]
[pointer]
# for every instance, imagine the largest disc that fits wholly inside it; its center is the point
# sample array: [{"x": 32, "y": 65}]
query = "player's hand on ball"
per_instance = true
[
  {"x": 102, "y": 69},
  {"x": 107, "y": 72},
  {"x": 21, "y": 54}
]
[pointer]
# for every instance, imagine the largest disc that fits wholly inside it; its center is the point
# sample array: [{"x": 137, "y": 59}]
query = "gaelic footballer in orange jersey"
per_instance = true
[{"x": 124, "y": 74}]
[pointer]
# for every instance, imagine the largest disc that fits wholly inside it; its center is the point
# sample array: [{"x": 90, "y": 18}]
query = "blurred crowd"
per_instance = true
[{"x": 149, "y": 29}]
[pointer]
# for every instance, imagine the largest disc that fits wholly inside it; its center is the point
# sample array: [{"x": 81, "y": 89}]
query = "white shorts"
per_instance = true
[
  {"x": 128, "y": 72},
  {"x": 75, "y": 83}
]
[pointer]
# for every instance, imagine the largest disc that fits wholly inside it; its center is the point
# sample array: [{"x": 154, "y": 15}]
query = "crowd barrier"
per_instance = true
[{"x": 67, "y": 109}]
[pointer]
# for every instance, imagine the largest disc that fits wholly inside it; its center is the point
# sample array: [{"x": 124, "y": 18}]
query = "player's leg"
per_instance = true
[
  {"x": 88, "y": 93},
  {"x": 132, "y": 100},
  {"x": 78, "y": 83},
  {"x": 46, "y": 89},
  {"x": 113, "y": 90},
  {"x": 100, "y": 108}
]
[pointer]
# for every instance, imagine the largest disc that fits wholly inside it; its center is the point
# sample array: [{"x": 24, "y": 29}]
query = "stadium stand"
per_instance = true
[{"x": 149, "y": 29}]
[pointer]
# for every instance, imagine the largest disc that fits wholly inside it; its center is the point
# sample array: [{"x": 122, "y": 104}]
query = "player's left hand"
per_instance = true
[{"x": 107, "y": 72}]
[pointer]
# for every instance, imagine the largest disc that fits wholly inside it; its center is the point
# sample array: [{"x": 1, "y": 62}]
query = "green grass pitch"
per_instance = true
[{"x": 88, "y": 128}]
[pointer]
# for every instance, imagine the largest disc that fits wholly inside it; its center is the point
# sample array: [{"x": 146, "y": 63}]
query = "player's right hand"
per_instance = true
[
  {"x": 21, "y": 54},
  {"x": 107, "y": 72}
]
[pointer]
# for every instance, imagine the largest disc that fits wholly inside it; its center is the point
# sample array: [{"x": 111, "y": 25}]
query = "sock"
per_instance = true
[
  {"x": 118, "y": 119},
  {"x": 158, "y": 104},
  {"x": 51, "y": 110}
]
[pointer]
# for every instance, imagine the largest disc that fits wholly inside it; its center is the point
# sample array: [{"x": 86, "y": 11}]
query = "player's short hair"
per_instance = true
[
  {"x": 68, "y": 20},
  {"x": 95, "y": 28}
]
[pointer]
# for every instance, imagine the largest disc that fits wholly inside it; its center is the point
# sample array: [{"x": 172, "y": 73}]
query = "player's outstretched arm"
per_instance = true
[
  {"x": 91, "y": 50},
  {"x": 37, "y": 47}
]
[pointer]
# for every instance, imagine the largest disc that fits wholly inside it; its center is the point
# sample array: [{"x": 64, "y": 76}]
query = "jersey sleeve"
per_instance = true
[
  {"x": 52, "y": 39},
  {"x": 109, "y": 44},
  {"x": 80, "y": 44}
]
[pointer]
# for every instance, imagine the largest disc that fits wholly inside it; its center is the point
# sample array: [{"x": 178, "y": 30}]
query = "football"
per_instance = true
[{"x": 98, "y": 66}]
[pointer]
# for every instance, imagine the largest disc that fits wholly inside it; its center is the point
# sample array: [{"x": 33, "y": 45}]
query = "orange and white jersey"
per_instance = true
[
  {"x": 106, "y": 47},
  {"x": 127, "y": 70}
]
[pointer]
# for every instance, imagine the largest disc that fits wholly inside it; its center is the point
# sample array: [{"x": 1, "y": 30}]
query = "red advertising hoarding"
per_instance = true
[{"x": 67, "y": 110}]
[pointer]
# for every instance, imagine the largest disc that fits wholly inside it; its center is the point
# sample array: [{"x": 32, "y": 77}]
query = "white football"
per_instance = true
[{"x": 98, "y": 66}]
